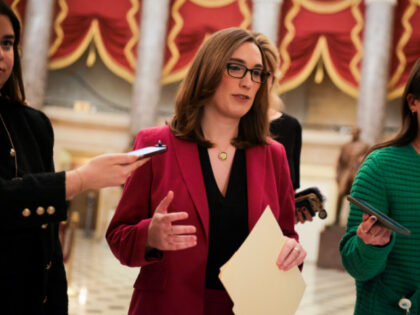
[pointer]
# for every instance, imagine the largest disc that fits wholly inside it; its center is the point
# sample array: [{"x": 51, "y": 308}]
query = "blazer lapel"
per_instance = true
[
  {"x": 255, "y": 173},
  {"x": 189, "y": 163}
]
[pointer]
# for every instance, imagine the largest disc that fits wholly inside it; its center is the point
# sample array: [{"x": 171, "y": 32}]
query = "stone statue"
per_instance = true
[{"x": 351, "y": 156}]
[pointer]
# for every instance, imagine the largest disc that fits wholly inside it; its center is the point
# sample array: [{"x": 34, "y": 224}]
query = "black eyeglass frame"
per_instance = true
[{"x": 264, "y": 74}]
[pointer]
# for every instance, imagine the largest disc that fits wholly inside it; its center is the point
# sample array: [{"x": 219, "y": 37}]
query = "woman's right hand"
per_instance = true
[
  {"x": 373, "y": 234},
  {"x": 163, "y": 234}
]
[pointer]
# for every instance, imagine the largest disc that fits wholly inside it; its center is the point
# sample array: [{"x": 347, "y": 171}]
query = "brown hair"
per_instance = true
[
  {"x": 410, "y": 125},
  {"x": 200, "y": 84},
  {"x": 271, "y": 54},
  {"x": 273, "y": 61},
  {"x": 13, "y": 87}
]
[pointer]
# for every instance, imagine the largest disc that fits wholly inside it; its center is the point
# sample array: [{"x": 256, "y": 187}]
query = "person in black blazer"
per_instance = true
[
  {"x": 33, "y": 196},
  {"x": 284, "y": 128}
]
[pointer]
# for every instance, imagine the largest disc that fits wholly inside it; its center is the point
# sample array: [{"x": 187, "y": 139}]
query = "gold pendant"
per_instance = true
[{"x": 222, "y": 156}]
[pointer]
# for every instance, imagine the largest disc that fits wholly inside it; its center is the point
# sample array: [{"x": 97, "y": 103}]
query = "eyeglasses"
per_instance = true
[{"x": 239, "y": 71}]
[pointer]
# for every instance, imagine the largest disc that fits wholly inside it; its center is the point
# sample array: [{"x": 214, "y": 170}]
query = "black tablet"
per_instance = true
[{"x": 383, "y": 218}]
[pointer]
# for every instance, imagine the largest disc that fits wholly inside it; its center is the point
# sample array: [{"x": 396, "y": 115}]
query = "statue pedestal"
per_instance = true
[{"x": 328, "y": 252}]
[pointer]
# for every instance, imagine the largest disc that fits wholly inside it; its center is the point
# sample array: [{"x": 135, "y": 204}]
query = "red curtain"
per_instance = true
[
  {"x": 328, "y": 34},
  {"x": 313, "y": 34},
  {"x": 406, "y": 45},
  {"x": 190, "y": 23},
  {"x": 111, "y": 25},
  {"x": 325, "y": 34}
]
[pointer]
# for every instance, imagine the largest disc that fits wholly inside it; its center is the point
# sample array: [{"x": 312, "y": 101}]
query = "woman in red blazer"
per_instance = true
[{"x": 184, "y": 213}]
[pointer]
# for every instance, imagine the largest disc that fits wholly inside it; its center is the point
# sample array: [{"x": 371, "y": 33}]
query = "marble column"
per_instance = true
[
  {"x": 266, "y": 17},
  {"x": 377, "y": 41},
  {"x": 35, "y": 46},
  {"x": 150, "y": 54}
]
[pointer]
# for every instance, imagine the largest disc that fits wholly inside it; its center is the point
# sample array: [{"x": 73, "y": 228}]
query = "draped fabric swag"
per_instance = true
[{"x": 322, "y": 36}]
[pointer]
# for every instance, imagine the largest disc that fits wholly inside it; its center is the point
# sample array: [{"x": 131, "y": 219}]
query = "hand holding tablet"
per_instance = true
[{"x": 382, "y": 218}]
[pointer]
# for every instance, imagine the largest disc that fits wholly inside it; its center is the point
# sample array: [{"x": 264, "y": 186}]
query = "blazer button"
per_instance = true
[
  {"x": 40, "y": 210},
  {"x": 12, "y": 152},
  {"x": 44, "y": 226},
  {"x": 26, "y": 212},
  {"x": 48, "y": 266},
  {"x": 45, "y": 299},
  {"x": 50, "y": 210}
]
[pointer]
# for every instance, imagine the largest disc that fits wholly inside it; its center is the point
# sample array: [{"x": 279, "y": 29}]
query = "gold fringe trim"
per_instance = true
[
  {"x": 64, "y": 9},
  {"x": 93, "y": 33},
  {"x": 128, "y": 49},
  {"x": 307, "y": 70},
  {"x": 396, "y": 93},
  {"x": 319, "y": 73},
  {"x": 326, "y": 8},
  {"x": 181, "y": 73},
  {"x": 107, "y": 58},
  {"x": 321, "y": 50},
  {"x": 291, "y": 31},
  {"x": 355, "y": 10},
  {"x": 335, "y": 77},
  {"x": 65, "y": 61},
  {"x": 177, "y": 75},
  {"x": 399, "y": 50},
  {"x": 179, "y": 23},
  {"x": 91, "y": 58},
  {"x": 13, "y": 6},
  {"x": 246, "y": 12},
  {"x": 212, "y": 3}
]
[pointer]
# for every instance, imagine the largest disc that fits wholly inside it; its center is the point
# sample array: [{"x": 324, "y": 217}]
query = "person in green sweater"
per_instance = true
[{"x": 386, "y": 265}]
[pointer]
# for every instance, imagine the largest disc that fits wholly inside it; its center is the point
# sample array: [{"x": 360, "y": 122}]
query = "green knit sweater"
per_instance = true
[{"x": 389, "y": 179}]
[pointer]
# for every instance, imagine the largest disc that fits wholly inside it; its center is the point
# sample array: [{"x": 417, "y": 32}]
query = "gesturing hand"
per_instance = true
[
  {"x": 163, "y": 234},
  {"x": 371, "y": 233}
]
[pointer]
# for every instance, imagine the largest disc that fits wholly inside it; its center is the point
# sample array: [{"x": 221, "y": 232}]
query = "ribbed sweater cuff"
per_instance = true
[{"x": 373, "y": 252}]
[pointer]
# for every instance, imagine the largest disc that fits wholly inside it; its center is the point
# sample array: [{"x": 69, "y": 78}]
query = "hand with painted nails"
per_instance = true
[
  {"x": 373, "y": 232},
  {"x": 292, "y": 254},
  {"x": 163, "y": 234}
]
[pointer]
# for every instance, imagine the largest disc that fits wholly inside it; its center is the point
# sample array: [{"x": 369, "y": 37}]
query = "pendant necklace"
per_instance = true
[
  {"x": 12, "y": 151},
  {"x": 222, "y": 155}
]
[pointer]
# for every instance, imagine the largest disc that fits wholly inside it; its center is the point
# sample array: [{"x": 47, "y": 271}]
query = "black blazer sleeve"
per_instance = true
[{"x": 34, "y": 198}]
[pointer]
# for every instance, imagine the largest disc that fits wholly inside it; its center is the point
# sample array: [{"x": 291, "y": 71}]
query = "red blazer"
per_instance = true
[{"x": 174, "y": 284}]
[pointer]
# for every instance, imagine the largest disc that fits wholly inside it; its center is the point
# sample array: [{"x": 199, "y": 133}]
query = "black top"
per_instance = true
[
  {"x": 288, "y": 131},
  {"x": 228, "y": 226},
  {"x": 31, "y": 267}
]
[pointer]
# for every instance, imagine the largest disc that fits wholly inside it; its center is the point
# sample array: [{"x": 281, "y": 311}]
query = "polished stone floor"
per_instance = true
[{"x": 100, "y": 285}]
